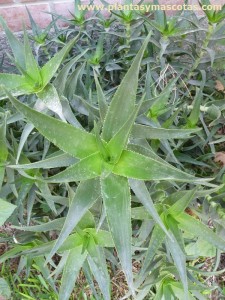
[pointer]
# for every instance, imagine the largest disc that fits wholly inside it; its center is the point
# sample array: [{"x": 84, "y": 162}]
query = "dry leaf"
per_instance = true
[
  {"x": 191, "y": 213},
  {"x": 219, "y": 86},
  {"x": 220, "y": 157}
]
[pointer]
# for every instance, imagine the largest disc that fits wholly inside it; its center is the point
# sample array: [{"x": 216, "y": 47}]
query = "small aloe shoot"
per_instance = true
[
  {"x": 33, "y": 79},
  {"x": 213, "y": 16},
  {"x": 78, "y": 15},
  {"x": 39, "y": 35}
]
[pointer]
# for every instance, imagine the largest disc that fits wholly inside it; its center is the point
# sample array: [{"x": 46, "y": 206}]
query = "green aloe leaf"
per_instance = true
[
  {"x": 72, "y": 140},
  {"x": 179, "y": 259},
  {"x": 140, "y": 213},
  {"x": 57, "y": 224},
  {"x": 101, "y": 145},
  {"x": 103, "y": 106},
  {"x": 146, "y": 151},
  {"x": 60, "y": 80},
  {"x": 40, "y": 250},
  {"x": 45, "y": 272},
  {"x": 161, "y": 292},
  {"x": 98, "y": 266},
  {"x": 3, "y": 148},
  {"x": 86, "y": 194},
  {"x": 142, "y": 131},
  {"x": 157, "y": 238},
  {"x": 137, "y": 166},
  {"x": 87, "y": 168},
  {"x": 179, "y": 293},
  {"x": 103, "y": 238},
  {"x": 32, "y": 67},
  {"x": 117, "y": 202},
  {"x": 194, "y": 116},
  {"x": 172, "y": 224},
  {"x": 68, "y": 113},
  {"x": 5, "y": 289},
  {"x": 159, "y": 105},
  {"x": 50, "y": 68},
  {"x": 14, "y": 252},
  {"x": 17, "y": 84},
  {"x": 15, "y": 44},
  {"x": 74, "y": 240},
  {"x": 125, "y": 97},
  {"x": 6, "y": 210},
  {"x": 71, "y": 270},
  {"x": 201, "y": 248},
  {"x": 159, "y": 15},
  {"x": 119, "y": 141},
  {"x": 143, "y": 195},
  {"x": 51, "y": 99},
  {"x": 36, "y": 30},
  {"x": 198, "y": 229},
  {"x": 72, "y": 82},
  {"x": 59, "y": 159},
  {"x": 179, "y": 206},
  {"x": 28, "y": 128}
]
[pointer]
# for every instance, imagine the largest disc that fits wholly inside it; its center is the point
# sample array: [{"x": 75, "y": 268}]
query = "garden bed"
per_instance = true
[{"x": 112, "y": 158}]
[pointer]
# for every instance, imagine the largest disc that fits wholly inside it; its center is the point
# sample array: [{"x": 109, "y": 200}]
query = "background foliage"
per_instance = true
[{"x": 111, "y": 158}]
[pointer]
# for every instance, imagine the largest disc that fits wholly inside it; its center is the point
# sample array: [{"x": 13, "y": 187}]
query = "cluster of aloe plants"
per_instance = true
[{"x": 108, "y": 139}]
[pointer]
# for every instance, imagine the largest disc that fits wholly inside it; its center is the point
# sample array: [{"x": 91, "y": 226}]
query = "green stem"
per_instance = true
[
  {"x": 128, "y": 37},
  {"x": 201, "y": 54}
]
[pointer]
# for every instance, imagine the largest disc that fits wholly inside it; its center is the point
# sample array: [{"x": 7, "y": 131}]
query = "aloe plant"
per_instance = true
[
  {"x": 38, "y": 34},
  {"x": 213, "y": 16},
  {"x": 106, "y": 161},
  {"x": 116, "y": 186},
  {"x": 34, "y": 80}
]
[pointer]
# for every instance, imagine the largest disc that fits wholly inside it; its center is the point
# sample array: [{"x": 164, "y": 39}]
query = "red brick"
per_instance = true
[
  {"x": 63, "y": 8},
  {"x": 6, "y": 1},
  {"x": 15, "y": 16},
  {"x": 22, "y": 1}
]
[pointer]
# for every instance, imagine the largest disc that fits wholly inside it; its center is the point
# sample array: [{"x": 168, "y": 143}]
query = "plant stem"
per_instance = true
[
  {"x": 204, "y": 46},
  {"x": 128, "y": 37}
]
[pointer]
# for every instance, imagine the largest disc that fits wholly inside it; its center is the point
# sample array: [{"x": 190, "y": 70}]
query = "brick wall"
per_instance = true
[{"x": 15, "y": 14}]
